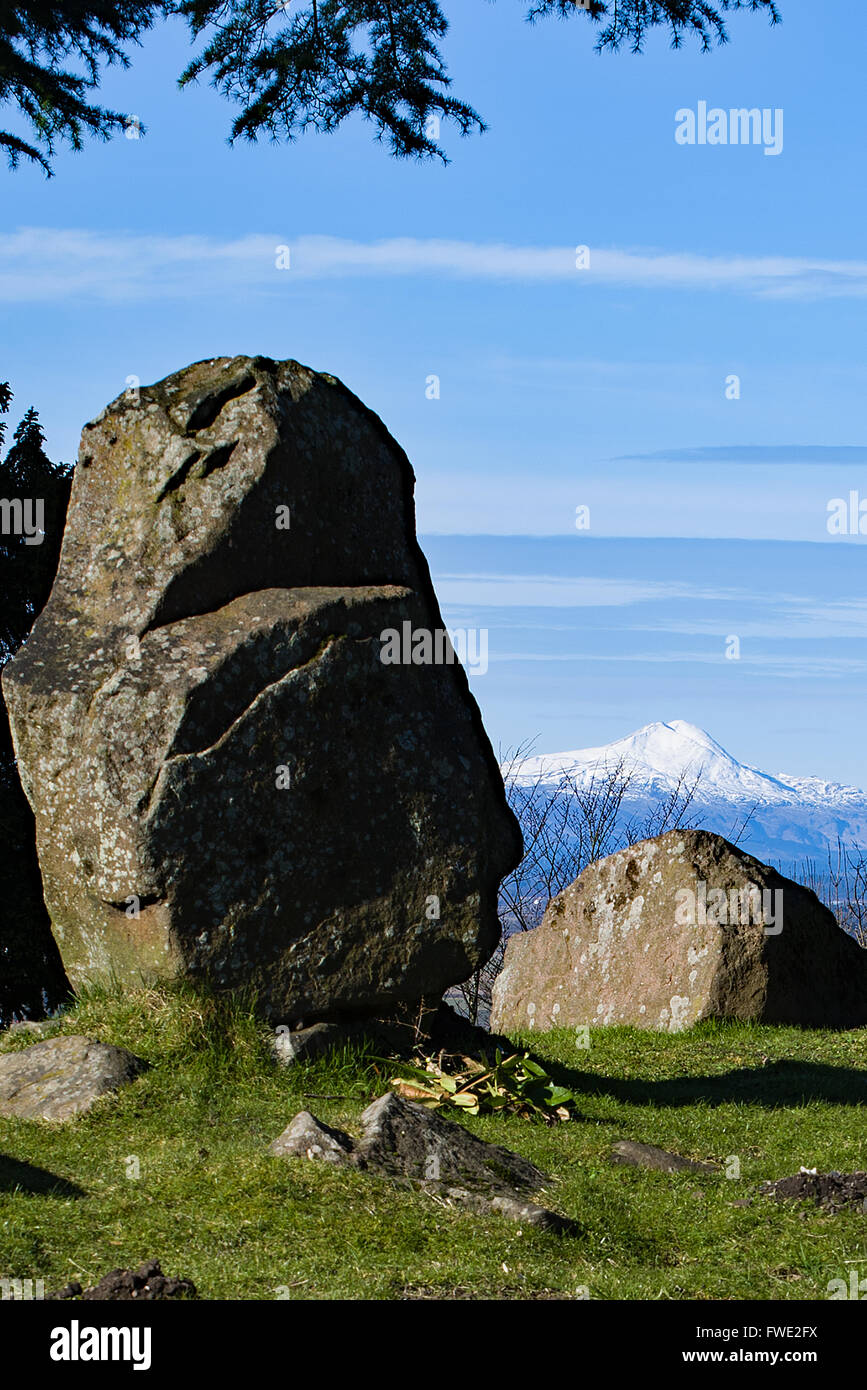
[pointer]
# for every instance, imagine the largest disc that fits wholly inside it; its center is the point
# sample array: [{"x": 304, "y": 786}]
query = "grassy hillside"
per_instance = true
[{"x": 213, "y": 1206}]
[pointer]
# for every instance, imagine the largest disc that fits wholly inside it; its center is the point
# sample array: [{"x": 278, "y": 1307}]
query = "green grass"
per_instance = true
[{"x": 213, "y": 1206}]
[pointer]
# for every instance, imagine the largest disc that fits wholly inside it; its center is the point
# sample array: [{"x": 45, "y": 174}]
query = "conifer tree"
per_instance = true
[
  {"x": 51, "y": 58},
  {"x": 31, "y": 973},
  {"x": 27, "y": 570},
  {"x": 5, "y": 402}
]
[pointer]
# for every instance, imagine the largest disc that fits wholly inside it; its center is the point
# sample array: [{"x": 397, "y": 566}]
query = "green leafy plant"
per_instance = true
[{"x": 516, "y": 1085}]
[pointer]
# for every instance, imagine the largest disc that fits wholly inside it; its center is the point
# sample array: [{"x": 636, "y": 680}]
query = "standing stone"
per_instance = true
[
  {"x": 677, "y": 929},
  {"x": 227, "y": 779}
]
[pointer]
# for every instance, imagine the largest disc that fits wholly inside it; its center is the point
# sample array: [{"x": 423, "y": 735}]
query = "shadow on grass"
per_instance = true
[
  {"x": 781, "y": 1083},
  {"x": 15, "y": 1175}
]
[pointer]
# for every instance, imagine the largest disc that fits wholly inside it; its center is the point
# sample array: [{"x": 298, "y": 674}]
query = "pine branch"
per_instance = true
[
  {"x": 325, "y": 61},
  {"x": 629, "y": 21},
  {"x": 37, "y": 42}
]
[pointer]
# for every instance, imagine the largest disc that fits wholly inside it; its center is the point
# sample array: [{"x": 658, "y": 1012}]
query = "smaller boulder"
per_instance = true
[
  {"x": 62, "y": 1077},
  {"x": 677, "y": 929},
  {"x": 529, "y": 1214},
  {"x": 411, "y": 1145},
  {"x": 33, "y": 1028},
  {"x": 514, "y": 1208},
  {"x": 407, "y": 1139},
  {"x": 307, "y": 1137},
  {"x": 303, "y": 1044}
]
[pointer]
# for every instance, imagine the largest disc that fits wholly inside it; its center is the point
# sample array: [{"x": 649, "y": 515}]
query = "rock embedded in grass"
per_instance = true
[
  {"x": 410, "y": 1140},
  {"x": 410, "y": 1143},
  {"x": 40, "y": 1028},
  {"x": 307, "y": 1137},
  {"x": 62, "y": 1077},
  {"x": 634, "y": 1155}
]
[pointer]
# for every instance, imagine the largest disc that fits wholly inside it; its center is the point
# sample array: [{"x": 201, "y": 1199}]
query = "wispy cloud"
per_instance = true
[
  {"x": 554, "y": 591},
  {"x": 799, "y": 667},
  {"x": 41, "y": 263},
  {"x": 777, "y": 616},
  {"x": 787, "y": 454}
]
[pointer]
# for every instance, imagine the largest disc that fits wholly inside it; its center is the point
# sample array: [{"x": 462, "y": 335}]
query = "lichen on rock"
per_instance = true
[
  {"x": 228, "y": 782},
  {"x": 677, "y": 929}
]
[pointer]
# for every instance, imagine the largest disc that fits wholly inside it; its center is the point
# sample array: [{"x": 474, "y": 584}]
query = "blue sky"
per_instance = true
[{"x": 559, "y": 387}]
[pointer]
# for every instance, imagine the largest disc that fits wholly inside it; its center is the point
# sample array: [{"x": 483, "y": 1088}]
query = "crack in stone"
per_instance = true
[
  {"x": 324, "y": 644},
  {"x": 171, "y": 757}
]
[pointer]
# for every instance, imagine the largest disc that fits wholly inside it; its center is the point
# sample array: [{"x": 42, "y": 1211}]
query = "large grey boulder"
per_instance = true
[
  {"x": 227, "y": 779},
  {"x": 62, "y": 1077},
  {"x": 677, "y": 929}
]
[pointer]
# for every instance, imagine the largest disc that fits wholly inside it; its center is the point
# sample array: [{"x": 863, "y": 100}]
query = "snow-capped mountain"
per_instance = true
[{"x": 790, "y": 818}]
